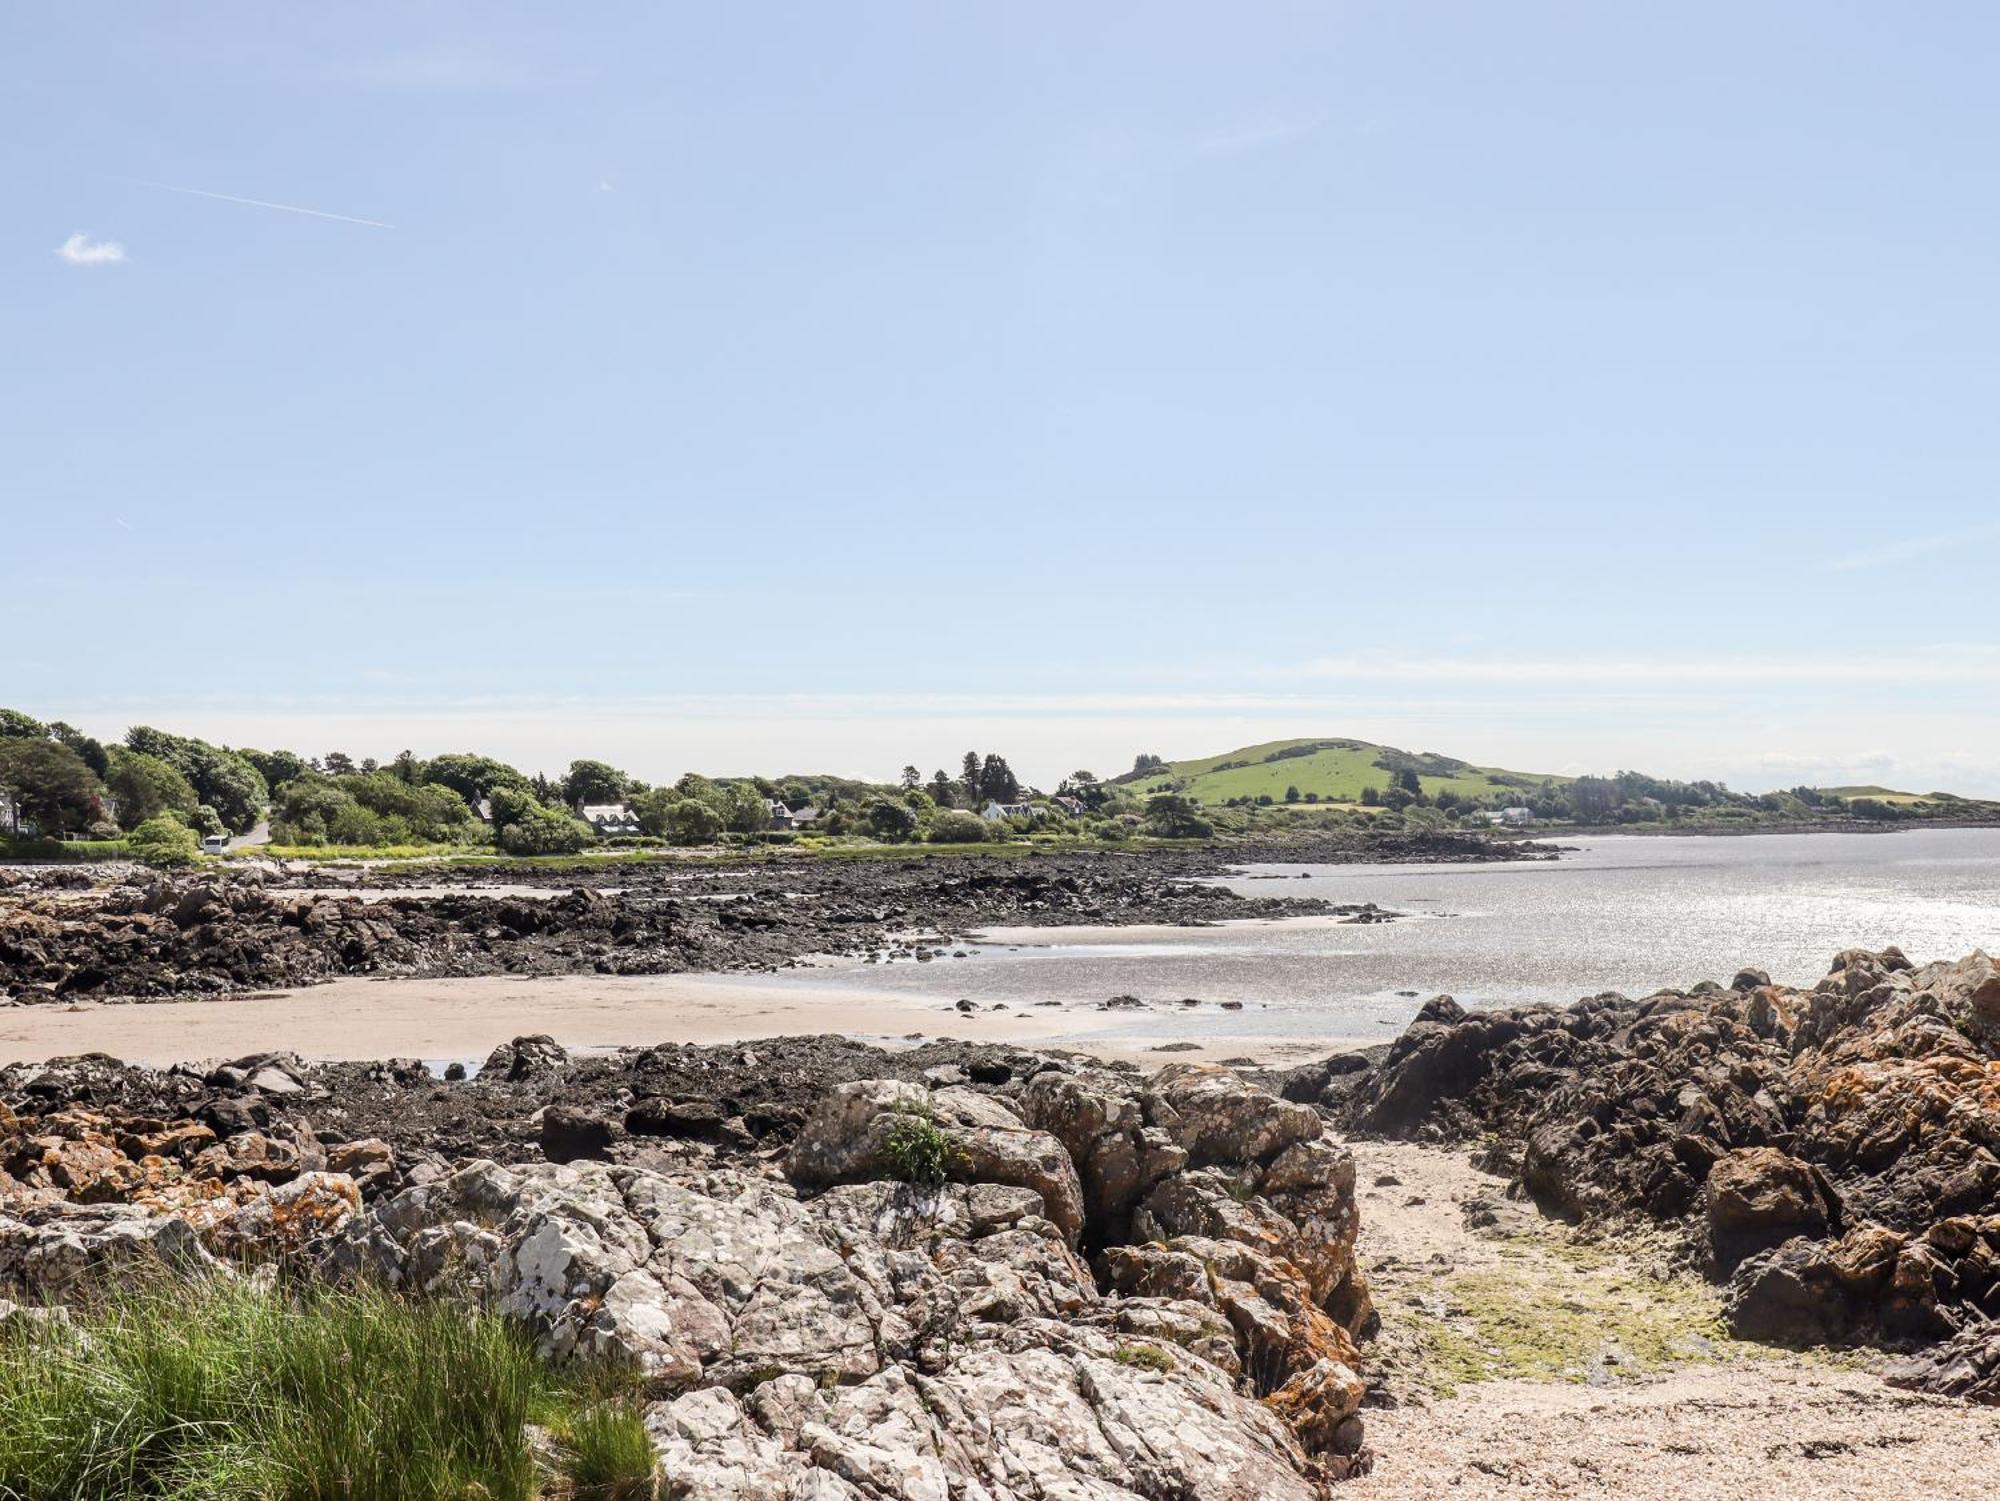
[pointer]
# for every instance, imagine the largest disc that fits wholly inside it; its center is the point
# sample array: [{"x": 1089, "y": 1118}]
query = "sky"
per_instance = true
[{"x": 796, "y": 387}]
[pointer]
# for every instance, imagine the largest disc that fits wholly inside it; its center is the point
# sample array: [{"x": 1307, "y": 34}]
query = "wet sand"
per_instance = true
[{"x": 465, "y": 1019}]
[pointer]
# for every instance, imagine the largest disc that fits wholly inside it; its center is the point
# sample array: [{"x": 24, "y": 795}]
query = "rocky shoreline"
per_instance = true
[
  {"x": 1113, "y": 1285},
  {"x": 840, "y": 1270},
  {"x": 1832, "y": 1154},
  {"x": 129, "y": 934}
]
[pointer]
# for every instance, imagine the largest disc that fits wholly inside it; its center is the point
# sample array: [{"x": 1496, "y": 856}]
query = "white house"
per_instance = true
[
  {"x": 999, "y": 812},
  {"x": 609, "y": 819},
  {"x": 1512, "y": 818}
]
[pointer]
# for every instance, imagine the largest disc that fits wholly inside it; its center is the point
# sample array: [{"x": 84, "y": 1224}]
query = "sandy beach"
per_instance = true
[{"x": 465, "y": 1019}]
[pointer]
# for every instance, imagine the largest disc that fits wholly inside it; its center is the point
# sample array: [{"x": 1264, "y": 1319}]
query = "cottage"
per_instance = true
[
  {"x": 610, "y": 820},
  {"x": 1512, "y": 818},
  {"x": 1073, "y": 806},
  {"x": 996, "y": 812}
]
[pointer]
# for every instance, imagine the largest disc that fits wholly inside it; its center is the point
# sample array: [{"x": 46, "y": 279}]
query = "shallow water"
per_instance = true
[{"x": 1621, "y": 913}]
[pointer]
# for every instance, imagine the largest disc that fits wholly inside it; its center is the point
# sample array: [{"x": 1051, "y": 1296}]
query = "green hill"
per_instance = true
[
  {"x": 1336, "y": 770},
  {"x": 1891, "y": 795}
]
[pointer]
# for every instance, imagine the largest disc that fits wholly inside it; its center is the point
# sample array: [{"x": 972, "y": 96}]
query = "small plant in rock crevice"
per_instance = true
[{"x": 920, "y": 1151}]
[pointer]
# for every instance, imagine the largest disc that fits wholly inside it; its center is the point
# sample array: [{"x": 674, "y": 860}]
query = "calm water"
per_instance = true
[{"x": 1629, "y": 914}]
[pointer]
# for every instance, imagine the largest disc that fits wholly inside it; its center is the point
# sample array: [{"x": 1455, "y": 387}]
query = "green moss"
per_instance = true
[
  {"x": 1512, "y": 1324},
  {"x": 1144, "y": 1357}
]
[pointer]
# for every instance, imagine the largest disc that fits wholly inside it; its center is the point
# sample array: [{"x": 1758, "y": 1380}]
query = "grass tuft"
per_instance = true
[{"x": 230, "y": 1391}]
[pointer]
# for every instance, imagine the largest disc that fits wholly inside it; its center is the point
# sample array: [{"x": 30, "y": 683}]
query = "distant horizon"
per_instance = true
[{"x": 654, "y": 749}]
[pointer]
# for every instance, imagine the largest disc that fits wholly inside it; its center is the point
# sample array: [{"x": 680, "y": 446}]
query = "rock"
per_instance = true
[
  {"x": 1317, "y": 1402},
  {"x": 370, "y": 1162},
  {"x": 846, "y": 1138},
  {"x": 526, "y": 1058},
  {"x": 1758, "y": 1197},
  {"x": 683, "y": 1120},
  {"x": 569, "y": 1132},
  {"x": 1967, "y": 1365},
  {"x": 1217, "y": 1118}
]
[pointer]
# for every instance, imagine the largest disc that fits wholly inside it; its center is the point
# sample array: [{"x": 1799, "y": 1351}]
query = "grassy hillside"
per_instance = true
[
  {"x": 1337, "y": 770},
  {"x": 1894, "y": 798}
]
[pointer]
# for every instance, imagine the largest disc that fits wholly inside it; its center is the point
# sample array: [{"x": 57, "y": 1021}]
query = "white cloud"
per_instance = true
[
  {"x": 81, "y": 250},
  {"x": 1909, "y": 549},
  {"x": 1945, "y": 664},
  {"x": 1273, "y": 128}
]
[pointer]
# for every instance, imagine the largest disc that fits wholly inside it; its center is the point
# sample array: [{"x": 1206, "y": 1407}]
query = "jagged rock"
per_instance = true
[
  {"x": 539, "y": 1056},
  {"x": 1966, "y": 1365},
  {"x": 1847, "y": 1135}
]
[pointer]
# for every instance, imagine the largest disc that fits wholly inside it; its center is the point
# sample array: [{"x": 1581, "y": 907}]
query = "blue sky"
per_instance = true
[{"x": 1564, "y": 386}]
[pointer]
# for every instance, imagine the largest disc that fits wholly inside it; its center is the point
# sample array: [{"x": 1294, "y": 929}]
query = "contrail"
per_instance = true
[{"x": 289, "y": 208}]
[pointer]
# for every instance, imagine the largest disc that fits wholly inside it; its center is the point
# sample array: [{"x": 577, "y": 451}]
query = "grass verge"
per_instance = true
[{"x": 227, "y": 1391}]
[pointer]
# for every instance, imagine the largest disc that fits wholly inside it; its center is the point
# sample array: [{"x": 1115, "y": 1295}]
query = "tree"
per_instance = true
[
  {"x": 1593, "y": 798},
  {"x": 969, "y": 775},
  {"x": 912, "y": 779},
  {"x": 207, "y": 822},
  {"x": 689, "y": 820},
  {"x": 997, "y": 780},
  {"x": 944, "y": 791},
  {"x": 1291, "y": 794},
  {"x": 1143, "y": 763},
  {"x": 1410, "y": 782},
  {"x": 14, "y": 725},
  {"x": 308, "y": 809},
  {"x": 593, "y": 782},
  {"x": 164, "y": 843},
  {"x": 338, "y": 764},
  {"x": 1085, "y": 788},
  {"x": 276, "y": 767},
  {"x": 890, "y": 819},
  {"x": 91, "y": 750},
  {"x": 744, "y": 810},
  {"x": 472, "y": 777},
  {"x": 511, "y": 804},
  {"x": 1172, "y": 815},
  {"x": 146, "y": 787},
  {"x": 224, "y": 780},
  {"x": 427, "y": 812},
  {"x": 230, "y": 785},
  {"x": 50, "y": 784},
  {"x": 407, "y": 767}
]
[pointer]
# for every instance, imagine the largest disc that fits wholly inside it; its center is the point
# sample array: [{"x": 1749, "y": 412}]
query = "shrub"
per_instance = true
[
  {"x": 1144, "y": 1357},
  {"x": 163, "y": 843},
  {"x": 920, "y": 1150},
  {"x": 545, "y": 831},
  {"x": 951, "y": 826}
]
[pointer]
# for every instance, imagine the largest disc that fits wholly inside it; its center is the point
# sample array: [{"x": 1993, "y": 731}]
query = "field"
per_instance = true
[
  {"x": 1339, "y": 771},
  {"x": 1894, "y": 798}
]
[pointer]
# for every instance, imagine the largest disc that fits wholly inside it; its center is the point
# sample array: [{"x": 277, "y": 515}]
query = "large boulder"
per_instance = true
[
  {"x": 849, "y": 1139},
  {"x": 1759, "y": 1197}
]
